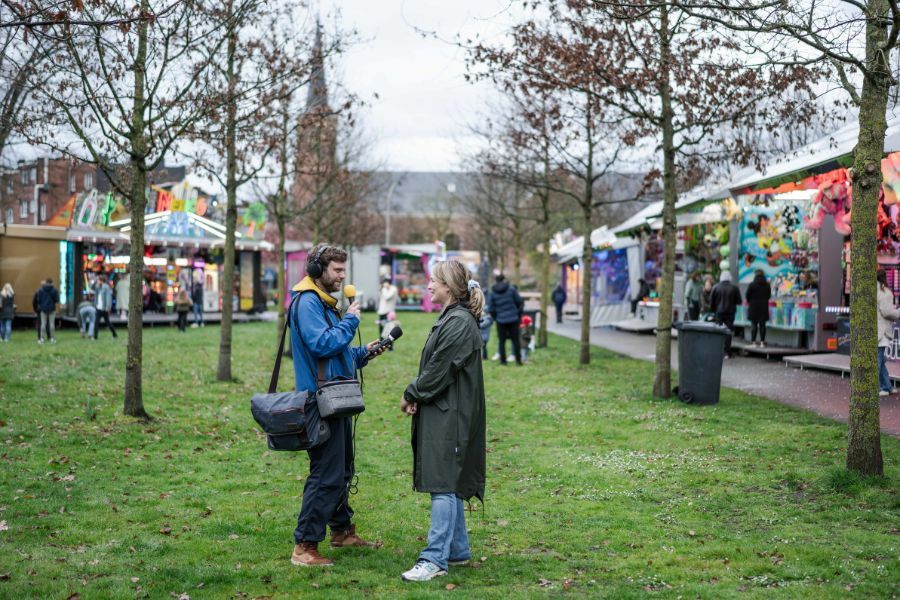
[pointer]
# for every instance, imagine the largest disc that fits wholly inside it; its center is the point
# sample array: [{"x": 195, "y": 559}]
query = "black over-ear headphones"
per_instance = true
[{"x": 314, "y": 267}]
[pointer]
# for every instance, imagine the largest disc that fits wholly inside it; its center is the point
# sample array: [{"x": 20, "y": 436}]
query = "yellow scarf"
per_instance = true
[{"x": 306, "y": 284}]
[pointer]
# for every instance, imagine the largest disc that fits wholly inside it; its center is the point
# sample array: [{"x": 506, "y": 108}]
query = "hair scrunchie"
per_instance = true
[{"x": 473, "y": 285}]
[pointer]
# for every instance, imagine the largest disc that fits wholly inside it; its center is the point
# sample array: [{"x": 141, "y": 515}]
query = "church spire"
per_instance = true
[{"x": 317, "y": 96}]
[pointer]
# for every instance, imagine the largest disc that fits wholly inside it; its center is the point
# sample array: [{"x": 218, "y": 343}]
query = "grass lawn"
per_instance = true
[{"x": 594, "y": 488}]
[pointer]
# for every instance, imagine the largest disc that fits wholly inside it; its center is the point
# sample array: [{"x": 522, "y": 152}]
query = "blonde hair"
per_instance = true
[
  {"x": 456, "y": 276},
  {"x": 7, "y": 291}
]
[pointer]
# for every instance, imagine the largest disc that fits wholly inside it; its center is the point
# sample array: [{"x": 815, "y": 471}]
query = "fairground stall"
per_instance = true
[
  {"x": 703, "y": 245},
  {"x": 796, "y": 229},
  {"x": 409, "y": 267},
  {"x": 615, "y": 265},
  {"x": 184, "y": 246}
]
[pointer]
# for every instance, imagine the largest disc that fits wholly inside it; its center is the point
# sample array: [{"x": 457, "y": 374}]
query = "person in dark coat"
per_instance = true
[
  {"x": 724, "y": 300},
  {"x": 506, "y": 308},
  {"x": 643, "y": 291},
  {"x": 758, "y": 294},
  {"x": 446, "y": 401},
  {"x": 47, "y": 299},
  {"x": 706, "y": 296},
  {"x": 197, "y": 299},
  {"x": 559, "y": 300}
]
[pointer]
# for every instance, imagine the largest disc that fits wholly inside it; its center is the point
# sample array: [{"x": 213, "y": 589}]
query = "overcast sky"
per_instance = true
[{"x": 419, "y": 121}]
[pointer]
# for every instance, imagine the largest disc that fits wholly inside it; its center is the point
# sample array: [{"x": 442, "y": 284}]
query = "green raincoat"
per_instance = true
[{"x": 448, "y": 429}]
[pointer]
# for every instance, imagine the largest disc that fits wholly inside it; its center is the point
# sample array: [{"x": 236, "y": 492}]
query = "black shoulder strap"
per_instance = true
[{"x": 273, "y": 383}]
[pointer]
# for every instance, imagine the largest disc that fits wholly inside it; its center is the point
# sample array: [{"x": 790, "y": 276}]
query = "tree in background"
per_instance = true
[
  {"x": 264, "y": 60},
  {"x": 676, "y": 85},
  {"x": 588, "y": 141},
  {"x": 122, "y": 98},
  {"x": 518, "y": 157}
]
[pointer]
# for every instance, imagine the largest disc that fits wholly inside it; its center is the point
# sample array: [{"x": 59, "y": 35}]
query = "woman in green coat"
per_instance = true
[{"x": 446, "y": 401}]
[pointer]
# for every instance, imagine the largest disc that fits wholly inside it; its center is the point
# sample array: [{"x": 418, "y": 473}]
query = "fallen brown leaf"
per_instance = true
[{"x": 450, "y": 587}]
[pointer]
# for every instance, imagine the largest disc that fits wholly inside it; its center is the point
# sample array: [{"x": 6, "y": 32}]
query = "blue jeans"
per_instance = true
[
  {"x": 198, "y": 313},
  {"x": 5, "y": 329},
  {"x": 88, "y": 318},
  {"x": 447, "y": 538},
  {"x": 884, "y": 380}
]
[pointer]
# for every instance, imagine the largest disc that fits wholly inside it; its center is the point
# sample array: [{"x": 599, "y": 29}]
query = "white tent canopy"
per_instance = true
[
  {"x": 600, "y": 237},
  {"x": 825, "y": 150}
]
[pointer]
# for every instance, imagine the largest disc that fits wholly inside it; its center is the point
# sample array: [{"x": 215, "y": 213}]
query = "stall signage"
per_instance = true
[{"x": 181, "y": 198}]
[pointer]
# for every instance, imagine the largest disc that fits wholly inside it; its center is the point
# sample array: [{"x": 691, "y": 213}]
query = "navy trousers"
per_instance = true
[{"x": 325, "y": 495}]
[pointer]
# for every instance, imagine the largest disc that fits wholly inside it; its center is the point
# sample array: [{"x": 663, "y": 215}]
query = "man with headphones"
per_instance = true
[{"x": 318, "y": 331}]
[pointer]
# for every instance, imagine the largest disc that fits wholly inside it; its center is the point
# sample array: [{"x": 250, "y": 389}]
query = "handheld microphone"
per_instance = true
[
  {"x": 350, "y": 292},
  {"x": 386, "y": 342}
]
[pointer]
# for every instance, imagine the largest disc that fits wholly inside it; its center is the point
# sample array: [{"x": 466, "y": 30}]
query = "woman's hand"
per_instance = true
[{"x": 408, "y": 408}]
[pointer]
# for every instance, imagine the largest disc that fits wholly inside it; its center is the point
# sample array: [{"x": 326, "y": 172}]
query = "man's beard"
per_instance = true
[{"x": 330, "y": 285}]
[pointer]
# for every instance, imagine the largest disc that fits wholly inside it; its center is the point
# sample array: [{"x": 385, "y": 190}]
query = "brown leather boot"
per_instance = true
[
  {"x": 306, "y": 554},
  {"x": 346, "y": 538}
]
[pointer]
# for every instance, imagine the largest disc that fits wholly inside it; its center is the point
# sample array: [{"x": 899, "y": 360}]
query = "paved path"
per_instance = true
[{"x": 824, "y": 393}]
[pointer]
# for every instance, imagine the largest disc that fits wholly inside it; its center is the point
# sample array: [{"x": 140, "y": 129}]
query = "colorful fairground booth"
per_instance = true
[
  {"x": 796, "y": 229},
  {"x": 615, "y": 265},
  {"x": 184, "y": 245},
  {"x": 703, "y": 245}
]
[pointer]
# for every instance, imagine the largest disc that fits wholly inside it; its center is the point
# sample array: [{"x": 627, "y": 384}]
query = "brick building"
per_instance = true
[{"x": 35, "y": 191}]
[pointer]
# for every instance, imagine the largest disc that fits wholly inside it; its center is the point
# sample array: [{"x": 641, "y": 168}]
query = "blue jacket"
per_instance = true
[
  {"x": 317, "y": 331},
  {"x": 505, "y": 304}
]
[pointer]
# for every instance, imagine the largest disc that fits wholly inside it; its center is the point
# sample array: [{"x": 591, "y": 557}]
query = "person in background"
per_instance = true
[
  {"x": 724, "y": 300},
  {"x": 387, "y": 300},
  {"x": 758, "y": 294},
  {"x": 183, "y": 306},
  {"x": 526, "y": 332},
  {"x": 693, "y": 290},
  {"x": 887, "y": 314},
  {"x": 87, "y": 316},
  {"x": 47, "y": 299},
  {"x": 484, "y": 324},
  {"x": 559, "y": 298},
  {"x": 643, "y": 291},
  {"x": 197, "y": 299},
  {"x": 7, "y": 311},
  {"x": 388, "y": 325},
  {"x": 103, "y": 303},
  {"x": 123, "y": 294},
  {"x": 447, "y": 405},
  {"x": 706, "y": 295},
  {"x": 505, "y": 307}
]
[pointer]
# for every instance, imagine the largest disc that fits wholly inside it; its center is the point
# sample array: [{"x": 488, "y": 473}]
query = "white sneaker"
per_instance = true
[
  {"x": 496, "y": 356},
  {"x": 883, "y": 393},
  {"x": 423, "y": 571}
]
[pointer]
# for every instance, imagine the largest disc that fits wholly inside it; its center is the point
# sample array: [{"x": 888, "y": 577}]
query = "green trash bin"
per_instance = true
[{"x": 701, "y": 351}]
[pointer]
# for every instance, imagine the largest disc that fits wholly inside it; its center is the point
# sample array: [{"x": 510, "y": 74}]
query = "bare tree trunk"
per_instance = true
[
  {"x": 282, "y": 275},
  {"x": 224, "y": 370},
  {"x": 517, "y": 253},
  {"x": 544, "y": 282},
  {"x": 134, "y": 400},
  {"x": 587, "y": 255},
  {"x": 662, "y": 383},
  {"x": 864, "y": 436}
]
